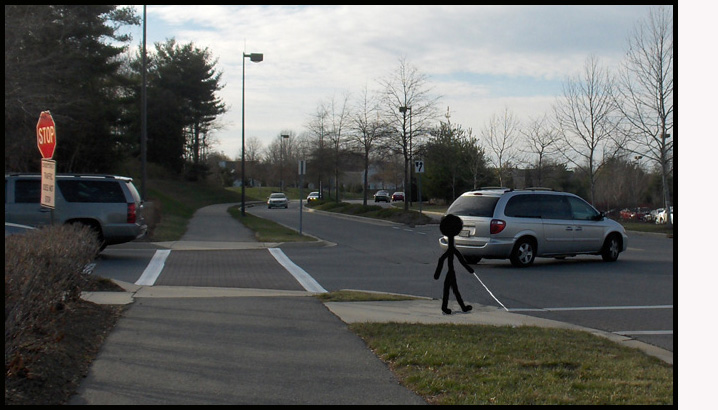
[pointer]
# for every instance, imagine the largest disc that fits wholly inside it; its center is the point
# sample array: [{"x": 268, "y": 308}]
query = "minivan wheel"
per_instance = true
[
  {"x": 611, "y": 249},
  {"x": 524, "y": 253}
]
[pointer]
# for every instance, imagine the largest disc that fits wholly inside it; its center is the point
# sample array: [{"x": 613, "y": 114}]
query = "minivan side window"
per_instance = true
[
  {"x": 582, "y": 210},
  {"x": 554, "y": 207},
  {"x": 523, "y": 206}
]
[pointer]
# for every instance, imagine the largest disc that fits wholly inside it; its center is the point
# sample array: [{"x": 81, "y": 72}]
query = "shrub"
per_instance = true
[{"x": 43, "y": 274}]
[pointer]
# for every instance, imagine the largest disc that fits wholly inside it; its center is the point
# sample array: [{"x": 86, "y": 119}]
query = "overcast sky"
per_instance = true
[{"x": 478, "y": 59}]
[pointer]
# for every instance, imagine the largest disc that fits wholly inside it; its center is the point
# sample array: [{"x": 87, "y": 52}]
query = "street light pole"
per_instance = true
[
  {"x": 256, "y": 58},
  {"x": 281, "y": 162},
  {"x": 403, "y": 110}
]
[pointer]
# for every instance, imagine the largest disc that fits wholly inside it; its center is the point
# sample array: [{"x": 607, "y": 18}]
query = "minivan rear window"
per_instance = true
[{"x": 474, "y": 205}]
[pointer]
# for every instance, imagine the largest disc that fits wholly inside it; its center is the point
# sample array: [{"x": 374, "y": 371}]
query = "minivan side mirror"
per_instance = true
[{"x": 600, "y": 216}]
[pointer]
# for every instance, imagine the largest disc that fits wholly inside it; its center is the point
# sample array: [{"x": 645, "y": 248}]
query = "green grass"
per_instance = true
[
  {"x": 268, "y": 231},
  {"x": 647, "y": 227},
  {"x": 471, "y": 364}
]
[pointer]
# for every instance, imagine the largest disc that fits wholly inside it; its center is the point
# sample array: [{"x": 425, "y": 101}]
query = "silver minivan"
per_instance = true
[{"x": 522, "y": 224}]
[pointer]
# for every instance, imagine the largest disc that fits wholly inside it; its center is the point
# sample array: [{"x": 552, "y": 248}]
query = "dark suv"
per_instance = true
[{"x": 110, "y": 205}]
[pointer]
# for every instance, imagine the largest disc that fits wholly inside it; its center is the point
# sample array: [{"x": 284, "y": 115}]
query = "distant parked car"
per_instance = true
[
  {"x": 397, "y": 196},
  {"x": 640, "y": 214},
  {"x": 382, "y": 196},
  {"x": 313, "y": 196},
  {"x": 277, "y": 200},
  {"x": 663, "y": 216},
  {"x": 634, "y": 214},
  {"x": 626, "y": 214},
  {"x": 653, "y": 215}
]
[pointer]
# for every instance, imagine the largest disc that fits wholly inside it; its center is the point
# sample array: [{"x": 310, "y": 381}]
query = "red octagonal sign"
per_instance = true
[{"x": 46, "y": 137}]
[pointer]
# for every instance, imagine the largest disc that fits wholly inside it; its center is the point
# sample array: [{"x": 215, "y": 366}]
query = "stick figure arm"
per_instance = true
[
  {"x": 440, "y": 265},
  {"x": 463, "y": 261}
]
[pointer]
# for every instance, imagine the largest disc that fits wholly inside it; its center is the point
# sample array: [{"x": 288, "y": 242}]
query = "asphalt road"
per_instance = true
[{"x": 633, "y": 296}]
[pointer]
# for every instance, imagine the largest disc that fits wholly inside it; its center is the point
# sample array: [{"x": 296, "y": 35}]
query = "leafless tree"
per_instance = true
[
  {"x": 645, "y": 92},
  {"x": 584, "y": 117},
  {"x": 501, "y": 138},
  {"x": 368, "y": 127},
  {"x": 339, "y": 116},
  {"x": 409, "y": 108},
  {"x": 318, "y": 129},
  {"x": 252, "y": 151},
  {"x": 541, "y": 141}
]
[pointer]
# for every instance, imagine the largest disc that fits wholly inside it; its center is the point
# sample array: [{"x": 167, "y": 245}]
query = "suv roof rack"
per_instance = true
[
  {"x": 67, "y": 175},
  {"x": 538, "y": 188}
]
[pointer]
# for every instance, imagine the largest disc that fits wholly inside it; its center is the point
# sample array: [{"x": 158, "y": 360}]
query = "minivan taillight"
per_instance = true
[
  {"x": 131, "y": 213},
  {"x": 497, "y": 225}
]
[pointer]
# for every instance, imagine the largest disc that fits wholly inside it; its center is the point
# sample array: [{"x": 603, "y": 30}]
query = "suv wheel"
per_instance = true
[
  {"x": 524, "y": 253},
  {"x": 611, "y": 249},
  {"x": 95, "y": 228}
]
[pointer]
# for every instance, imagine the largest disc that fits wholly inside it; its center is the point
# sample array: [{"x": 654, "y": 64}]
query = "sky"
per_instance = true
[{"x": 479, "y": 60}]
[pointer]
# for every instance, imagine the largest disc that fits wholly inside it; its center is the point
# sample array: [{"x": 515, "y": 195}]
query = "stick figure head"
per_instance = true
[{"x": 451, "y": 225}]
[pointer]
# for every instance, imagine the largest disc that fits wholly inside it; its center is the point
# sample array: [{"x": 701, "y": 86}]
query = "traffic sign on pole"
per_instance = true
[
  {"x": 46, "y": 135},
  {"x": 47, "y": 182}
]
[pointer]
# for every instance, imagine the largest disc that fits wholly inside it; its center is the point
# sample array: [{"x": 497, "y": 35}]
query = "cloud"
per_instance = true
[{"x": 478, "y": 58}]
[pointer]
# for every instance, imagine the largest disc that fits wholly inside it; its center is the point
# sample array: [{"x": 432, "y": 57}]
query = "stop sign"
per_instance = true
[{"x": 46, "y": 140}]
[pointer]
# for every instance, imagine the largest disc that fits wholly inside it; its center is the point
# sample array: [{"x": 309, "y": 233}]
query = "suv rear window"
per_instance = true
[
  {"x": 91, "y": 191},
  {"x": 474, "y": 205}
]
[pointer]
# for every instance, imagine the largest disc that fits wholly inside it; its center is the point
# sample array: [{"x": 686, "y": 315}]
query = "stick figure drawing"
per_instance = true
[{"x": 451, "y": 226}]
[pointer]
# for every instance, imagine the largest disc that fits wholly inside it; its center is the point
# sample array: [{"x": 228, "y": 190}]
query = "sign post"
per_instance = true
[
  {"x": 47, "y": 181},
  {"x": 46, "y": 143},
  {"x": 302, "y": 171},
  {"x": 419, "y": 169}
]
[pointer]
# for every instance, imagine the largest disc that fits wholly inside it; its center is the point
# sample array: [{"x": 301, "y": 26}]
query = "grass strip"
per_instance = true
[
  {"x": 472, "y": 364},
  {"x": 266, "y": 230}
]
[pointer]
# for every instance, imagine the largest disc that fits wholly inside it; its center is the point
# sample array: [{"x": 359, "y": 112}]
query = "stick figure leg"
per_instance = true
[
  {"x": 445, "y": 300},
  {"x": 455, "y": 288}
]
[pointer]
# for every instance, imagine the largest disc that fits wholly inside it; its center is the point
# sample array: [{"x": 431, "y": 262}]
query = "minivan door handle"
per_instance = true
[
  {"x": 569, "y": 228},
  {"x": 578, "y": 228}
]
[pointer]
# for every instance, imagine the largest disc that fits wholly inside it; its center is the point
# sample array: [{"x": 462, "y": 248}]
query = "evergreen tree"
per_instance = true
[{"x": 64, "y": 58}]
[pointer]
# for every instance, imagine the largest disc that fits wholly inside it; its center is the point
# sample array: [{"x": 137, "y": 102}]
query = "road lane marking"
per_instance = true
[
  {"x": 304, "y": 279},
  {"x": 154, "y": 268},
  {"x": 644, "y": 332},
  {"x": 558, "y": 309}
]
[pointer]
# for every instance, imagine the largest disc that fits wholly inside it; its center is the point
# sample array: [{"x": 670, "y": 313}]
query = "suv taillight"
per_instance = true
[
  {"x": 131, "y": 213},
  {"x": 497, "y": 225}
]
